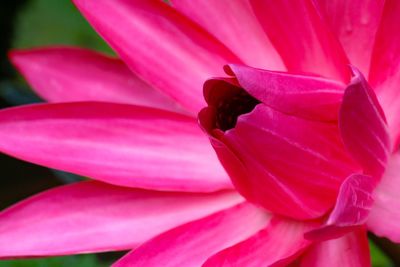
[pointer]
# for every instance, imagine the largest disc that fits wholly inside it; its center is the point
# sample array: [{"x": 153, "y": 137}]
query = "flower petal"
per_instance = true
[
  {"x": 191, "y": 244},
  {"x": 355, "y": 23},
  {"x": 363, "y": 127},
  {"x": 302, "y": 38},
  {"x": 304, "y": 96},
  {"x": 92, "y": 216},
  {"x": 301, "y": 178},
  {"x": 385, "y": 66},
  {"x": 67, "y": 74},
  {"x": 235, "y": 25},
  {"x": 352, "y": 208},
  {"x": 177, "y": 65},
  {"x": 351, "y": 250},
  {"x": 116, "y": 143},
  {"x": 279, "y": 243},
  {"x": 385, "y": 214}
]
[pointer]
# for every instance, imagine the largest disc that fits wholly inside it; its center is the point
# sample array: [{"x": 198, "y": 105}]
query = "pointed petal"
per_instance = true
[
  {"x": 235, "y": 25},
  {"x": 385, "y": 214},
  {"x": 160, "y": 45},
  {"x": 302, "y": 177},
  {"x": 116, "y": 143},
  {"x": 302, "y": 38},
  {"x": 385, "y": 66},
  {"x": 279, "y": 243},
  {"x": 66, "y": 74},
  {"x": 355, "y": 23},
  {"x": 363, "y": 127},
  {"x": 304, "y": 96},
  {"x": 351, "y": 250},
  {"x": 352, "y": 208},
  {"x": 92, "y": 216},
  {"x": 191, "y": 244}
]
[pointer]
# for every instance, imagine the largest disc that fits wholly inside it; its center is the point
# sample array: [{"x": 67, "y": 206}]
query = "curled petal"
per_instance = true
[
  {"x": 363, "y": 127},
  {"x": 280, "y": 181},
  {"x": 303, "y": 96},
  {"x": 352, "y": 208}
]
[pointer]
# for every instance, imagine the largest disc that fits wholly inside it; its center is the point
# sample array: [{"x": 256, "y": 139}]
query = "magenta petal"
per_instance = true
[
  {"x": 116, "y": 143},
  {"x": 301, "y": 178},
  {"x": 355, "y": 24},
  {"x": 384, "y": 217},
  {"x": 190, "y": 245},
  {"x": 385, "y": 66},
  {"x": 304, "y": 96},
  {"x": 278, "y": 244},
  {"x": 160, "y": 45},
  {"x": 351, "y": 250},
  {"x": 63, "y": 74},
  {"x": 235, "y": 25},
  {"x": 92, "y": 216},
  {"x": 363, "y": 128},
  {"x": 301, "y": 37},
  {"x": 352, "y": 208}
]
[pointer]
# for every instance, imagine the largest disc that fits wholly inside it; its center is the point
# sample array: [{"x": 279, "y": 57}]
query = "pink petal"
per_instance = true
[
  {"x": 355, "y": 24},
  {"x": 160, "y": 45},
  {"x": 385, "y": 66},
  {"x": 279, "y": 243},
  {"x": 301, "y": 178},
  {"x": 92, "y": 216},
  {"x": 351, "y": 250},
  {"x": 302, "y": 38},
  {"x": 352, "y": 208},
  {"x": 363, "y": 127},
  {"x": 191, "y": 244},
  {"x": 116, "y": 143},
  {"x": 385, "y": 214},
  {"x": 235, "y": 25},
  {"x": 63, "y": 74},
  {"x": 304, "y": 96}
]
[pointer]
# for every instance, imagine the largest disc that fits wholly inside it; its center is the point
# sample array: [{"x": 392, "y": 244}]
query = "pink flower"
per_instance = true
[{"x": 315, "y": 157}]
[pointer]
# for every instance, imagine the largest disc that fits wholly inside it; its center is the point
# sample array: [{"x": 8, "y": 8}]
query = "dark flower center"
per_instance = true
[{"x": 230, "y": 108}]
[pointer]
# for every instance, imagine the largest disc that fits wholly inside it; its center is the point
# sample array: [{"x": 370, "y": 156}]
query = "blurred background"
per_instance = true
[{"x": 32, "y": 23}]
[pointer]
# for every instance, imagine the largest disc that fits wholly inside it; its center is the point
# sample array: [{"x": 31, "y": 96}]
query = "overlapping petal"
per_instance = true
[
  {"x": 191, "y": 244},
  {"x": 63, "y": 74},
  {"x": 385, "y": 214},
  {"x": 281, "y": 181},
  {"x": 351, "y": 250},
  {"x": 163, "y": 47},
  {"x": 303, "y": 96},
  {"x": 355, "y": 23},
  {"x": 92, "y": 216},
  {"x": 352, "y": 208},
  {"x": 385, "y": 66},
  {"x": 116, "y": 143},
  {"x": 276, "y": 245},
  {"x": 301, "y": 37},
  {"x": 235, "y": 25},
  {"x": 363, "y": 126}
]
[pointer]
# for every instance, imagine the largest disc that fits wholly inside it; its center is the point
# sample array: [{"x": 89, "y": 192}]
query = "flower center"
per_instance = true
[{"x": 230, "y": 108}]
